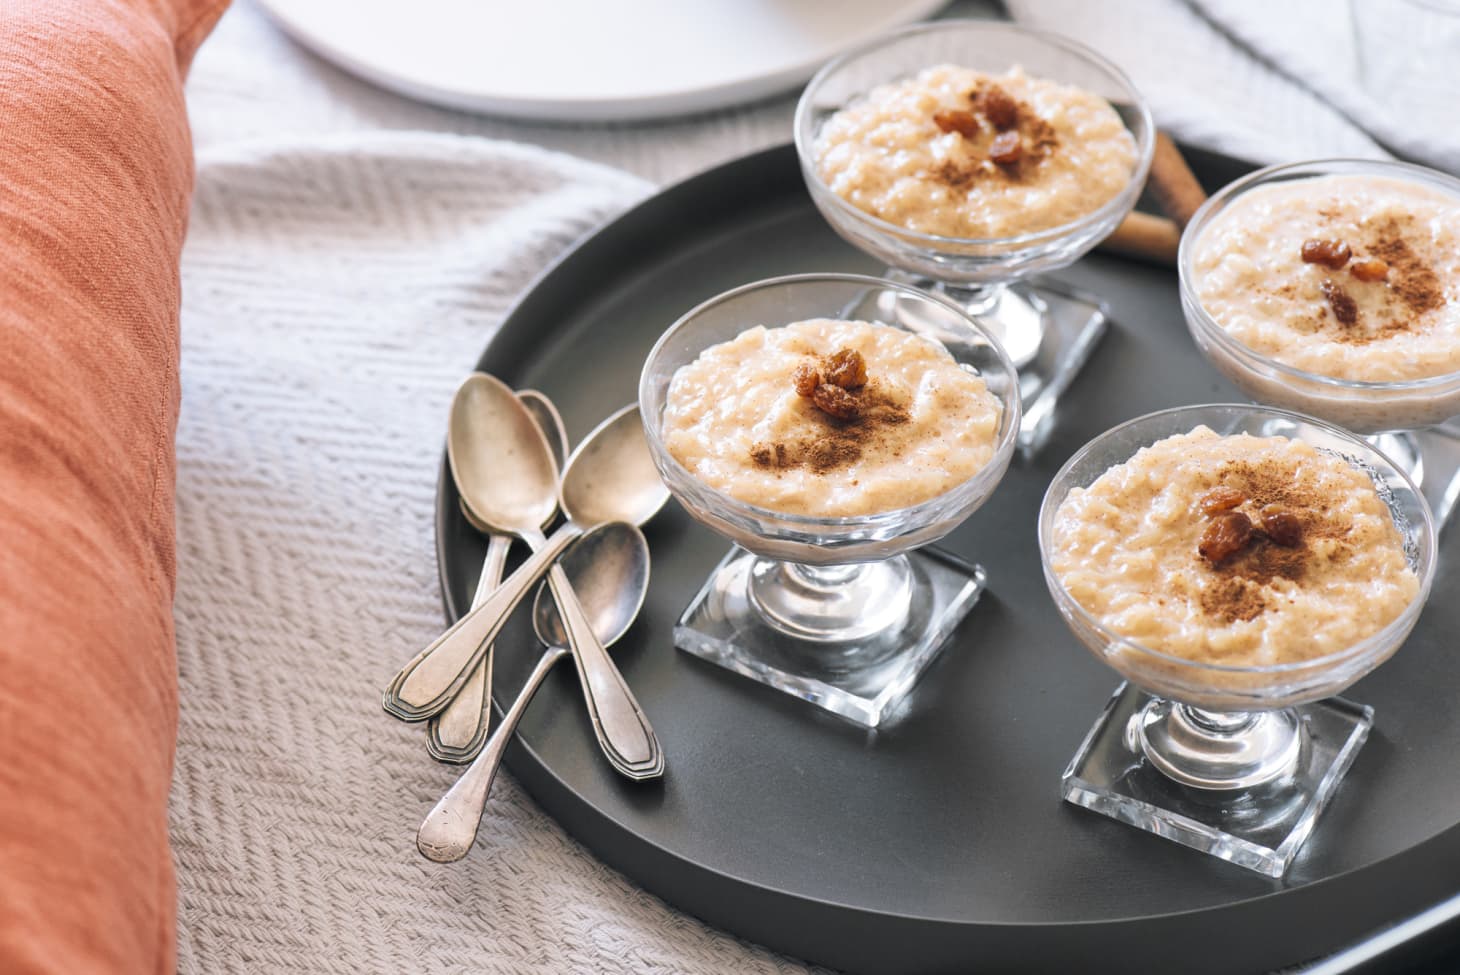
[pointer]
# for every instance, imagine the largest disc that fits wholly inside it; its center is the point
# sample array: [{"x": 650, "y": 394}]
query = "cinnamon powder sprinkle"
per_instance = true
[
  {"x": 1017, "y": 140},
  {"x": 1389, "y": 262},
  {"x": 1411, "y": 280},
  {"x": 1240, "y": 589},
  {"x": 851, "y": 411}
]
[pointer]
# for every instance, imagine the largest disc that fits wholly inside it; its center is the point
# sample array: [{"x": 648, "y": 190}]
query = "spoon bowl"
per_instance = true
[
  {"x": 500, "y": 460},
  {"x": 611, "y": 476},
  {"x": 609, "y": 570},
  {"x": 549, "y": 421}
]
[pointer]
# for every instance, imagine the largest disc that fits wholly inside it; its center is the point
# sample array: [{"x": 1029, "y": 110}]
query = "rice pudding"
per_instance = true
[
  {"x": 960, "y": 153},
  {"x": 1355, "y": 277},
  {"x": 1238, "y": 550},
  {"x": 829, "y": 418}
]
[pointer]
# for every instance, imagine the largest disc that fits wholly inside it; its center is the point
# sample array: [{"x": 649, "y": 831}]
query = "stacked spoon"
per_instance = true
[
  {"x": 505, "y": 449},
  {"x": 458, "y": 734}
]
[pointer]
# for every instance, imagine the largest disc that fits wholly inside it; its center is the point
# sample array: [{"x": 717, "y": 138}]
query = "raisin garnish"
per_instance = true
[
  {"x": 1282, "y": 526},
  {"x": 806, "y": 377},
  {"x": 1221, "y": 499},
  {"x": 836, "y": 401},
  {"x": 964, "y": 123},
  {"x": 1372, "y": 269},
  {"x": 1006, "y": 149},
  {"x": 1330, "y": 253},
  {"x": 1345, "y": 309},
  {"x": 846, "y": 368},
  {"x": 1000, "y": 108},
  {"x": 1227, "y": 534}
]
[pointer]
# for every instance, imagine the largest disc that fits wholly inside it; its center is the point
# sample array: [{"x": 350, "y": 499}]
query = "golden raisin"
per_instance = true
[
  {"x": 1329, "y": 253},
  {"x": 806, "y": 377},
  {"x": 835, "y": 401},
  {"x": 1227, "y": 534},
  {"x": 964, "y": 123},
  {"x": 1000, "y": 108},
  {"x": 1345, "y": 309},
  {"x": 1282, "y": 526},
  {"x": 1221, "y": 499},
  {"x": 1006, "y": 149},
  {"x": 1372, "y": 269},
  {"x": 846, "y": 368}
]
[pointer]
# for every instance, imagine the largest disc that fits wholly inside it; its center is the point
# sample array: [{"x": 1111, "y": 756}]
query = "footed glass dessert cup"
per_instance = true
[
  {"x": 1237, "y": 762},
  {"x": 843, "y": 612},
  {"x": 1048, "y": 329},
  {"x": 1414, "y": 421}
]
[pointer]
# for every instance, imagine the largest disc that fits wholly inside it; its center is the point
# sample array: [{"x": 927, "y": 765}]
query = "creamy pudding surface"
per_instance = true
[
  {"x": 1355, "y": 277},
  {"x": 1237, "y": 550},
  {"x": 830, "y": 418},
  {"x": 960, "y": 153}
]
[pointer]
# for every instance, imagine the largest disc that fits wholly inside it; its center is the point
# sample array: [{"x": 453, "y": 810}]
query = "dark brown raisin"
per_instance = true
[
  {"x": 1372, "y": 269},
  {"x": 1282, "y": 526},
  {"x": 836, "y": 401},
  {"x": 1221, "y": 499},
  {"x": 1000, "y": 108},
  {"x": 1006, "y": 149},
  {"x": 964, "y": 123},
  {"x": 846, "y": 368},
  {"x": 1345, "y": 309},
  {"x": 1227, "y": 534},
  {"x": 806, "y": 377},
  {"x": 1329, "y": 253}
]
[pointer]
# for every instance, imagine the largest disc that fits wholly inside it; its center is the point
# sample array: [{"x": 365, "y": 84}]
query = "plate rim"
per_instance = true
[{"x": 728, "y": 93}]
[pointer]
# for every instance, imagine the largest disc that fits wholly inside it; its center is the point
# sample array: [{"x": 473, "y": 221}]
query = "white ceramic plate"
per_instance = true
[{"x": 588, "y": 59}]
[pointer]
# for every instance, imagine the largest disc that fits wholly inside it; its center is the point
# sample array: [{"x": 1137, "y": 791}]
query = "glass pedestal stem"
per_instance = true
[
  {"x": 831, "y": 603},
  {"x": 1218, "y": 750}
]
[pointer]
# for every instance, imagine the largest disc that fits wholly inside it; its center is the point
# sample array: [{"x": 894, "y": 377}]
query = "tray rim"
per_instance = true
[{"x": 568, "y": 807}]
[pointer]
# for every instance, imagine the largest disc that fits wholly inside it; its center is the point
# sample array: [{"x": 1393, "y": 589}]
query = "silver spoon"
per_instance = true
[
  {"x": 495, "y": 448},
  {"x": 609, "y": 569},
  {"x": 457, "y": 734},
  {"x": 610, "y": 477}
]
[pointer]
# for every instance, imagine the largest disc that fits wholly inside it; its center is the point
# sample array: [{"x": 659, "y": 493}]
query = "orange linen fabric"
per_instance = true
[{"x": 95, "y": 178}]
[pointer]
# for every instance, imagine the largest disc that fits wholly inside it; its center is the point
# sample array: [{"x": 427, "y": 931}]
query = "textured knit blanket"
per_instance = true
[{"x": 335, "y": 294}]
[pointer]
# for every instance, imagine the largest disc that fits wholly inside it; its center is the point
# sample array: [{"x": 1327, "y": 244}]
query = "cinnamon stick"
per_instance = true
[
  {"x": 1175, "y": 187},
  {"x": 1147, "y": 237},
  {"x": 1172, "y": 182}
]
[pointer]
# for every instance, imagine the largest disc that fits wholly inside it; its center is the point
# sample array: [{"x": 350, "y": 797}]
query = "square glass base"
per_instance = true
[
  {"x": 1047, "y": 329},
  {"x": 862, "y": 679},
  {"x": 1260, "y": 828}
]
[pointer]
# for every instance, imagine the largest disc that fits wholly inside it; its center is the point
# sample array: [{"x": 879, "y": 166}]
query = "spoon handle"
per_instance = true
[
  {"x": 619, "y": 723},
  {"x": 426, "y": 685},
  {"x": 457, "y": 734},
  {"x": 450, "y": 828}
]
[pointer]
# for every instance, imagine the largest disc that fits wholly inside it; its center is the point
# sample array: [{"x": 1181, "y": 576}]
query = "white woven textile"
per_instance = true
[
  {"x": 335, "y": 292},
  {"x": 1279, "y": 80}
]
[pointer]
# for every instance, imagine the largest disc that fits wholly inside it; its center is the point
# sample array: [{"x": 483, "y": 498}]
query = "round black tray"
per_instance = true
[{"x": 938, "y": 843}]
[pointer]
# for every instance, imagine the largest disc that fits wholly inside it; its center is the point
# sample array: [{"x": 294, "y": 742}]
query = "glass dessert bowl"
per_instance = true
[
  {"x": 1332, "y": 287},
  {"x": 1226, "y": 736},
  {"x": 827, "y": 593},
  {"x": 898, "y": 143}
]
